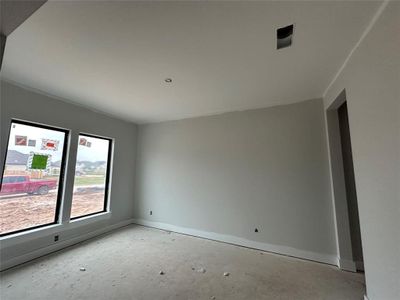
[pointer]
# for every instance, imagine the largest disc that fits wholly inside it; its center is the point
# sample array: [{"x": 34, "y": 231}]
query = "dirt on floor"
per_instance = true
[
  {"x": 24, "y": 211},
  {"x": 126, "y": 265}
]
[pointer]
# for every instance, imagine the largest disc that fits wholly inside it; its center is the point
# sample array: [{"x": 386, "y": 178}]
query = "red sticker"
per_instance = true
[
  {"x": 21, "y": 140},
  {"x": 49, "y": 145},
  {"x": 82, "y": 141}
]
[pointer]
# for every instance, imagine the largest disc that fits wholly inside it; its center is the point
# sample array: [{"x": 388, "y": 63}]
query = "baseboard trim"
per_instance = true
[
  {"x": 283, "y": 250},
  {"x": 277, "y": 249},
  {"x": 347, "y": 265},
  {"x": 60, "y": 245},
  {"x": 365, "y": 297}
]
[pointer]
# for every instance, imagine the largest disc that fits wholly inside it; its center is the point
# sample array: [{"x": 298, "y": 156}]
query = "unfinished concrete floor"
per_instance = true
[{"x": 125, "y": 264}]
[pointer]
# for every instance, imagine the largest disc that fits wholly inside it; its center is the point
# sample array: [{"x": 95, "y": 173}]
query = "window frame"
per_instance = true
[
  {"x": 61, "y": 181},
  {"x": 108, "y": 176}
]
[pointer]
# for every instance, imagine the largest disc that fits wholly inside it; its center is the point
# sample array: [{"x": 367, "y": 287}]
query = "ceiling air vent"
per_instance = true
[{"x": 284, "y": 37}]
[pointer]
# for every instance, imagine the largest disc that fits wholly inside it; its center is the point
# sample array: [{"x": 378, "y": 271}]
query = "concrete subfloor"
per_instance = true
[{"x": 125, "y": 264}]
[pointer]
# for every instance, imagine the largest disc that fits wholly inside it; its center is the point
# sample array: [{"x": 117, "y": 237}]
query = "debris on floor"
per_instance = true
[
  {"x": 161, "y": 273},
  {"x": 82, "y": 269},
  {"x": 254, "y": 276},
  {"x": 201, "y": 270},
  {"x": 226, "y": 274}
]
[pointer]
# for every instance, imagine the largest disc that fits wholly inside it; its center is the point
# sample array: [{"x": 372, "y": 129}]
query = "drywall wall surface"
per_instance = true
[
  {"x": 371, "y": 79},
  {"x": 25, "y": 104},
  {"x": 231, "y": 173}
]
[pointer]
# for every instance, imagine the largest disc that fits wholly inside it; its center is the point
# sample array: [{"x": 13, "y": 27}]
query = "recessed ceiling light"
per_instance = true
[{"x": 168, "y": 80}]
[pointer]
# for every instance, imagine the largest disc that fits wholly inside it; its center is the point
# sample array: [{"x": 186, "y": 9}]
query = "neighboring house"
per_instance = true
[
  {"x": 16, "y": 162},
  {"x": 101, "y": 167},
  {"x": 55, "y": 167},
  {"x": 80, "y": 169},
  {"x": 90, "y": 167}
]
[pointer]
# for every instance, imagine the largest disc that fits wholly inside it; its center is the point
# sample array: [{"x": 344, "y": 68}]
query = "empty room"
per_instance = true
[{"x": 200, "y": 150}]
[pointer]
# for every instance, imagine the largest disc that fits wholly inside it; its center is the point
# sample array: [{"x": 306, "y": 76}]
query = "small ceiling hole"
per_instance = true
[
  {"x": 284, "y": 37},
  {"x": 168, "y": 80}
]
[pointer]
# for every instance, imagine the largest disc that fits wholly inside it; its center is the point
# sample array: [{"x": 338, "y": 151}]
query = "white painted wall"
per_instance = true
[
  {"x": 232, "y": 173},
  {"x": 372, "y": 79},
  {"x": 20, "y": 103}
]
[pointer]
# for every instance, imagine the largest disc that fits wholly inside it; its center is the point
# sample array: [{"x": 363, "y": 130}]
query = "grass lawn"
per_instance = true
[{"x": 88, "y": 180}]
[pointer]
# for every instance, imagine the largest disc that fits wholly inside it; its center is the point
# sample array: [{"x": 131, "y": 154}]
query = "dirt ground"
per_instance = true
[{"x": 32, "y": 210}]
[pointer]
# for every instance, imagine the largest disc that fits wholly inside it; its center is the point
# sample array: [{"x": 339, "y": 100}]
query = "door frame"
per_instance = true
[{"x": 340, "y": 207}]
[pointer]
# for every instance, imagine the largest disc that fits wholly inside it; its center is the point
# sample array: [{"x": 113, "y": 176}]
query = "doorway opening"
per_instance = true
[{"x": 344, "y": 186}]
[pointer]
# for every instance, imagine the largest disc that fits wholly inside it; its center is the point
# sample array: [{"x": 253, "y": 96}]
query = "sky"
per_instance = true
[{"x": 97, "y": 151}]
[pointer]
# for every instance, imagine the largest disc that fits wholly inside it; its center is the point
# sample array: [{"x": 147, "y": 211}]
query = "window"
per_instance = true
[
  {"x": 31, "y": 183},
  {"x": 91, "y": 176},
  {"x": 21, "y": 179}
]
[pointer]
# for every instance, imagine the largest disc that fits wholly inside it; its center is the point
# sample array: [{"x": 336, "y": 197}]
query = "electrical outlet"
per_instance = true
[{"x": 56, "y": 238}]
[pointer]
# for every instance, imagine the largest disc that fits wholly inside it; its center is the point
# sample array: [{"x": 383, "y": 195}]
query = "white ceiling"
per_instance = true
[{"x": 114, "y": 56}]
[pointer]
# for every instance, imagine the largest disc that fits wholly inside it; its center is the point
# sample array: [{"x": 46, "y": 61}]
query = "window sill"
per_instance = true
[
  {"x": 89, "y": 219},
  {"x": 48, "y": 231},
  {"x": 30, "y": 234}
]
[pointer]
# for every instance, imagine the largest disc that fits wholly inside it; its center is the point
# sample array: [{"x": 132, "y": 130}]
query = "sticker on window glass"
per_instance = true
[
  {"x": 21, "y": 140},
  {"x": 49, "y": 145},
  {"x": 32, "y": 143},
  {"x": 39, "y": 162},
  {"x": 83, "y": 141}
]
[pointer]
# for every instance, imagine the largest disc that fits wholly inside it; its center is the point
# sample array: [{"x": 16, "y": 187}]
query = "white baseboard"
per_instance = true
[
  {"x": 284, "y": 250},
  {"x": 365, "y": 297},
  {"x": 60, "y": 245},
  {"x": 347, "y": 265}
]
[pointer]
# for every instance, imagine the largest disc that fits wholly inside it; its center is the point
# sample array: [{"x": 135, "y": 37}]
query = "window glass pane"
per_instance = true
[
  {"x": 21, "y": 179},
  {"x": 91, "y": 176},
  {"x": 29, "y": 193}
]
